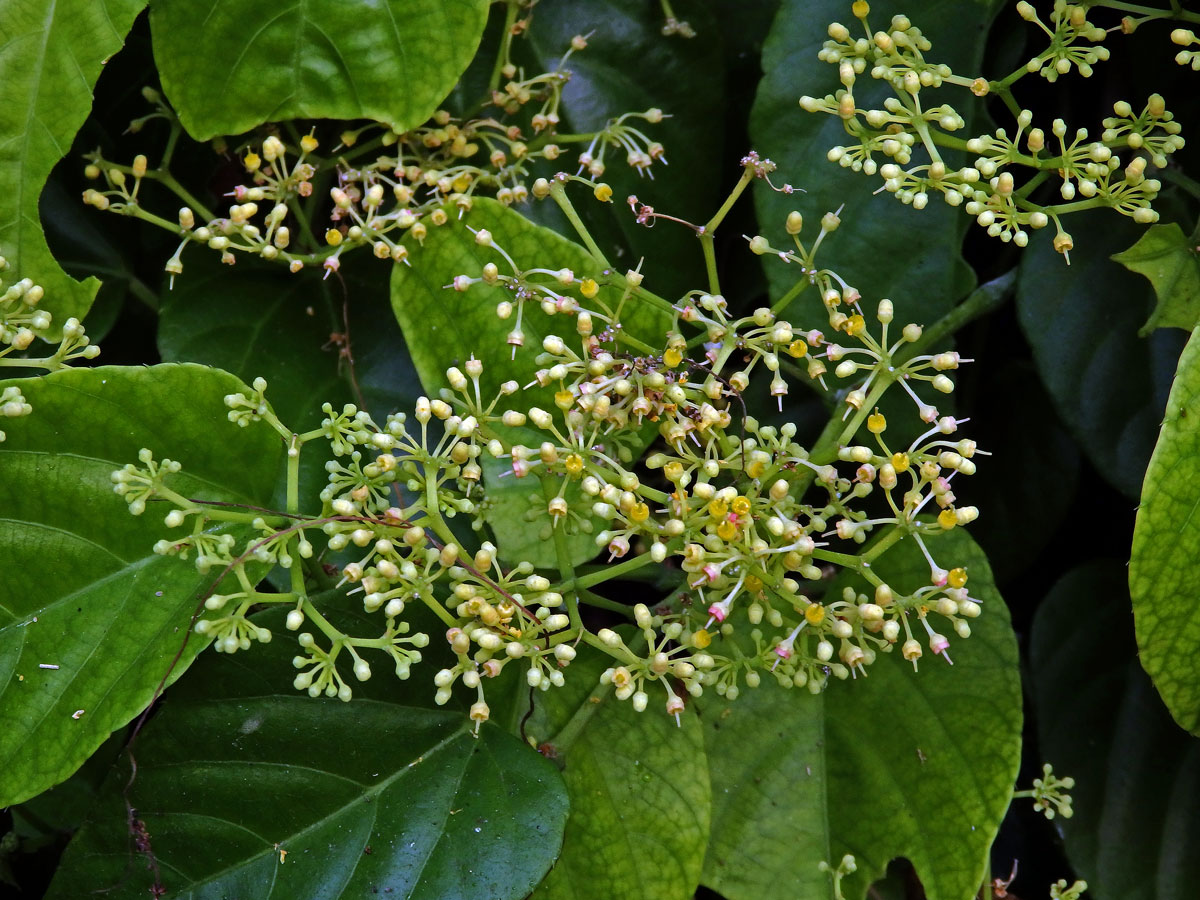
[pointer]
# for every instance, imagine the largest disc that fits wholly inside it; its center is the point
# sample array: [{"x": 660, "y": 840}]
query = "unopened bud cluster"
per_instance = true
[
  {"x": 1104, "y": 170},
  {"x": 22, "y": 321}
]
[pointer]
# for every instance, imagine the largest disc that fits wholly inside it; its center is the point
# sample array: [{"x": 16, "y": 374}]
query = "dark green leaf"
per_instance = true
[
  {"x": 1101, "y": 722},
  {"x": 1163, "y": 576},
  {"x": 1166, "y": 256},
  {"x": 639, "y": 790},
  {"x": 1081, "y": 320},
  {"x": 87, "y": 594},
  {"x": 919, "y": 765},
  {"x": 257, "y": 320},
  {"x": 881, "y": 243},
  {"x": 251, "y": 789},
  {"x": 50, "y": 57},
  {"x": 226, "y": 68}
]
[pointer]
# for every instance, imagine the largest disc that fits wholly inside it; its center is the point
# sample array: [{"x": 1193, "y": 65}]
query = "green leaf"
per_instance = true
[
  {"x": 226, "y": 68},
  {"x": 446, "y": 327},
  {"x": 51, "y": 54},
  {"x": 1163, "y": 576},
  {"x": 1107, "y": 385},
  {"x": 1101, "y": 722},
  {"x": 919, "y": 765},
  {"x": 87, "y": 594},
  {"x": 881, "y": 242},
  {"x": 1166, "y": 256},
  {"x": 639, "y": 791},
  {"x": 246, "y": 790}
]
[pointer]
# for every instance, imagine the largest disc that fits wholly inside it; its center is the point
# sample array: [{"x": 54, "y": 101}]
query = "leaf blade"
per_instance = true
[
  {"x": 1101, "y": 721},
  {"x": 1169, "y": 261},
  {"x": 628, "y": 775},
  {"x": 1162, "y": 574},
  {"x": 320, "y": 59},
  {"x": 416, "y": 807},
  {"x": 51, "y": 54},
  {"x": 63, "y": 508}
]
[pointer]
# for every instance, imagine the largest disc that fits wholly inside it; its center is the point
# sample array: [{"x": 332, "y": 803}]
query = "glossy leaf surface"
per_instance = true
[
  {"x": 94, "y": 618},
  {"x": 1108, "y": 385},
  {"x": 881, "y": 243},
  {"x": 629, "y": 66},
  {"x": 260, "y": 320},
  {"x": 445, "y": 327},
  {"x": 250, "y": 788},
  {"x": 639, "y": 792},
  {"x": 1166, "y": 256},
  {"x": 392, "y": 61},
  {"x": 51, "y": 54}
]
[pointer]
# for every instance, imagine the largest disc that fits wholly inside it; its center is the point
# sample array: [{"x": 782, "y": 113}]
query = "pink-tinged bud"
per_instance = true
[
  {"x": 711, "y": 572},
  {"x": 718, "y": 612},
  {"x": 784, "y": 651}
]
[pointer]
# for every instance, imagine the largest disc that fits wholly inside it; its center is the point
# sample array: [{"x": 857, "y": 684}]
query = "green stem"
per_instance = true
[
  {"x": 710, "y": 263},
  {"x": 584, "y": 582},
  {"x": 979, "y": 302},
  {"x": 1181, "y": 181},
  {"x": 1176, "y": 11},
  {"x": 167, "y": 180},
  {"x": 711, "y": 225},
  {"x": 437, "y": 609},
  {"x": 558, "y": 193},
  {"x": 881, "y": 546},
  {"x": 1028, "y": 187},
  {"x": 510, "y": 19},
  {"x": 569, "y": 733},
  {"x": 433, "y": 509},
  {"x": 845, "y": 560},
  {"x": 708, "y": 230},
  {"x": 593, "y": 599},
  {"x": 795, "y": 291},
  {"x": 566, "y": 570}
]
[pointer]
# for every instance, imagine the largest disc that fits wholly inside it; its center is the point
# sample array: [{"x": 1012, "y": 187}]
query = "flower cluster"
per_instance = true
[
  {"x": 377, "y": 186},
  {"x": 1185, "y": 38},
  {"x": 22, "y": 322},
  {"x": 991, "y": 188},
  {"x": 753, "y": 521},
  {"x": 1050, "y": 794}
]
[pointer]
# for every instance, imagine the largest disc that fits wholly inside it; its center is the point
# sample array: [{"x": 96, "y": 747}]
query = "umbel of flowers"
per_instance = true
[{"x": 755, "y": 520}]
